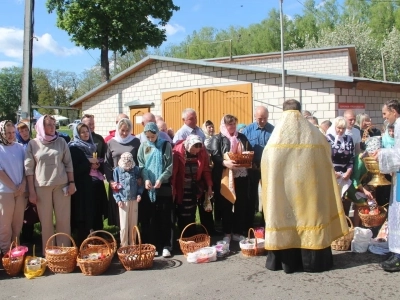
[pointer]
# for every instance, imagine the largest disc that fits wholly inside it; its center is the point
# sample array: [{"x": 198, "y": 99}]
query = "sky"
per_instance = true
[{"x": 53, "y": 49}]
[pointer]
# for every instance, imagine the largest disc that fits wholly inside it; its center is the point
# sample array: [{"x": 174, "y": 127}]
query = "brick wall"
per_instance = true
[
  {"x": 148, "y": 84},
  {"x": 335, "y": 63},
  {"x": 373, "y": 100}
]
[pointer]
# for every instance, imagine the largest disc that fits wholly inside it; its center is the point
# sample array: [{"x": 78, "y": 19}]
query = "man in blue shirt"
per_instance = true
[
  {"x": 258, "y": 134},
  {"x": 189, "y": 118}
]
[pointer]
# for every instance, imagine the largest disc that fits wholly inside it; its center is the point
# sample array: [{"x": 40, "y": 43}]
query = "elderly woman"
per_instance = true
[
  {"x": 155, "y": 208},
  {"x": 123, "y": 141},
  {"x": 83, "y": 204},
  {"x": 342, "y": 155},
  {"x": 48, "y": 167},
  {"x": 365, "y": 124},
  {"x": 190, "y": 178},
  {"x": 12, "y": 186},
  {"x": 208, "y": 130},
  {"x": 234, "y": 195}
]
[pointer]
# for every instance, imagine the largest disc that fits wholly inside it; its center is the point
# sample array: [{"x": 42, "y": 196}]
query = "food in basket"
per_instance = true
[
  {"x": 34, "y": 264},
  {"x": 94, "y": 256},
  {"x": 259, "y": 232},
  {"x": 374, "y": 212},
  {"x": 19, "y": 251},
  {"x": 56, "y": 251}
]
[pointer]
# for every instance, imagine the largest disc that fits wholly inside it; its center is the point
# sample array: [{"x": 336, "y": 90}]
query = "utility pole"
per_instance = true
[
  {"x": 383, "y": 67},
  {"x": 282, "y": 52},
  {"x": 27, "y": 62}
]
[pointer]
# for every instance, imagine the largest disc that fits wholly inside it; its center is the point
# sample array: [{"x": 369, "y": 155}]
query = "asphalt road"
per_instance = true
[{"x": 354, "y": 276}]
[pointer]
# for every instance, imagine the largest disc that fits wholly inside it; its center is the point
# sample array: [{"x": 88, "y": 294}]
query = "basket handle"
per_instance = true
[
  {"x": 93, "y": 233},
  {"x": 60, "y": 233},
  {"x": 95, "y": 238},
  {"x": 135, "y": 229},
  {"x": 255, "y": 238},
  {"x": 205, "y": 229},
  {"x": 351, "y": 223},
  {"x": 12, "y": 243}
]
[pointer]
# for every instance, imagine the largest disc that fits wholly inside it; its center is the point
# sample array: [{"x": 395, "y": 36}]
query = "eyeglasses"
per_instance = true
[{"x": 198, "y": 145}]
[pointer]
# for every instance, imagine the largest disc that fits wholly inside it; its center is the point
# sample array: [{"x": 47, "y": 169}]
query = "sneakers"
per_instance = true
[
  {"x": 392, "y": 264},
  {"x": 166, "y": 253},
  {"x": 237, "y": 237}
]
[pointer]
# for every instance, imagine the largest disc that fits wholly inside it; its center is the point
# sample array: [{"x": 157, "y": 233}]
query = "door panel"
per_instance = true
[
  {"x": 175, "y": 102},
  {"x": 235, "y": 100},
  {"x": 135, "y": 116}
]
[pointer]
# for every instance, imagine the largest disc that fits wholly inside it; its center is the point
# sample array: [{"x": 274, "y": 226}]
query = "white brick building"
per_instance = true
[{"x": 319, "y": 78}]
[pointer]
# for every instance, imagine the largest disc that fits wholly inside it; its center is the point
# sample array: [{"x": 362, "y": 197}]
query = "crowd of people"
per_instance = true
[{"x": 310, "y": 175}]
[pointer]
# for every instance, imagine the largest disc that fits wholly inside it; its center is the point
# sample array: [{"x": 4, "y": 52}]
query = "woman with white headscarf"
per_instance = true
[
  {"x": 191, "y": 177},
  {"x": 342, "y": 155},
  {"x": 123, "y": 141}
]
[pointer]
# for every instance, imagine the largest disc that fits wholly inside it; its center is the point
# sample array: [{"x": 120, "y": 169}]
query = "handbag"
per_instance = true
[{"x": 31, "y": 215}]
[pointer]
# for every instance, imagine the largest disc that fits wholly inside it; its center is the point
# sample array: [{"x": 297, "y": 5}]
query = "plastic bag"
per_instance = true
[
  {"x": 203, "y": 255},
  {"x": 361, "y": 240}
]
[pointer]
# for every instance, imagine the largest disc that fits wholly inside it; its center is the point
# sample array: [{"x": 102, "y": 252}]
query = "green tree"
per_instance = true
[
  {"x": 381, "y": 18},
  {"x": 43, "y": 90},
  {"x": 391, "y": 54},
  {"x": 10, "y": 92},
  {"x": 358, "y": 34},
  {"x": 123, "y": 62},
  {"x": 116, "y": 25},
  {"x": 356, "y": 10}
]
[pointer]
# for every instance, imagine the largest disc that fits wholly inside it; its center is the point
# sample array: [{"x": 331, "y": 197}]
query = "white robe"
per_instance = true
[{"x": 389, "y": 162}]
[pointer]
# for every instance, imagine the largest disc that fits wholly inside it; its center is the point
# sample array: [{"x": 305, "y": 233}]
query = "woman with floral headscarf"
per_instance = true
[
  {"x": 83, "y": 204},
  {"x": 155, "y": 209},
  {"x": 123, "y": 141},
  {"x": 233, "y": 180},
  {"x": 191, "y": 176},
  {"x": 49, "y": 170},
  {"x": 12, "y": 186}
]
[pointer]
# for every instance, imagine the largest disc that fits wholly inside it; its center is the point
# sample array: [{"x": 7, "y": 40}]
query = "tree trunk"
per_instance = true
[{"x": 105, "y": 67}]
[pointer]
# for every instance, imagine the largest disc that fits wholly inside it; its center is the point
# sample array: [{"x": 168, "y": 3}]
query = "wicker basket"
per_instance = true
[
  {"x": 137, "y": 257},
  {"x": 344, "y": 243},
  {"x": 13, "y": 264},
  {"x": 61, "y": 259},
  {"x": 253, "y": 249},
  {"x": 94, "y": 266},
  {"x": 194, "y": 243},
  {"x": 111, "y": 241},
  {"x": 373, "y": 220},
  {"x": 244, "y": 160}
]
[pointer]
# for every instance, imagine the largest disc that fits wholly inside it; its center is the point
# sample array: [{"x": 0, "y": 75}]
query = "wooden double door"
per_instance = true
[{"x": 210, "y": 103}]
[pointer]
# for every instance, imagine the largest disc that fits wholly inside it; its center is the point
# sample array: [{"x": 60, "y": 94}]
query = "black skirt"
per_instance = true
[{"x": 300, "y": 260}]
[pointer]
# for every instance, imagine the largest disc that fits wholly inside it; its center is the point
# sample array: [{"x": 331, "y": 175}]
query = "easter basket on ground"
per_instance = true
[
  {"x": 137, "y": 256},
  {"x": 193, "y": 243},
  {"x": 61, "y": 259},
  {"x": 252, "y": 246},
  {"x": 343, "y": 243},
  {"x": 95, "y": 255},
  {"x": 13, "y": 260}
]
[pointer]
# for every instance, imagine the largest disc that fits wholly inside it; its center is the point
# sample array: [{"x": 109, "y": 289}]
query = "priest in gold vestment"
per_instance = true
[{"x": 302, "y": 205}]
